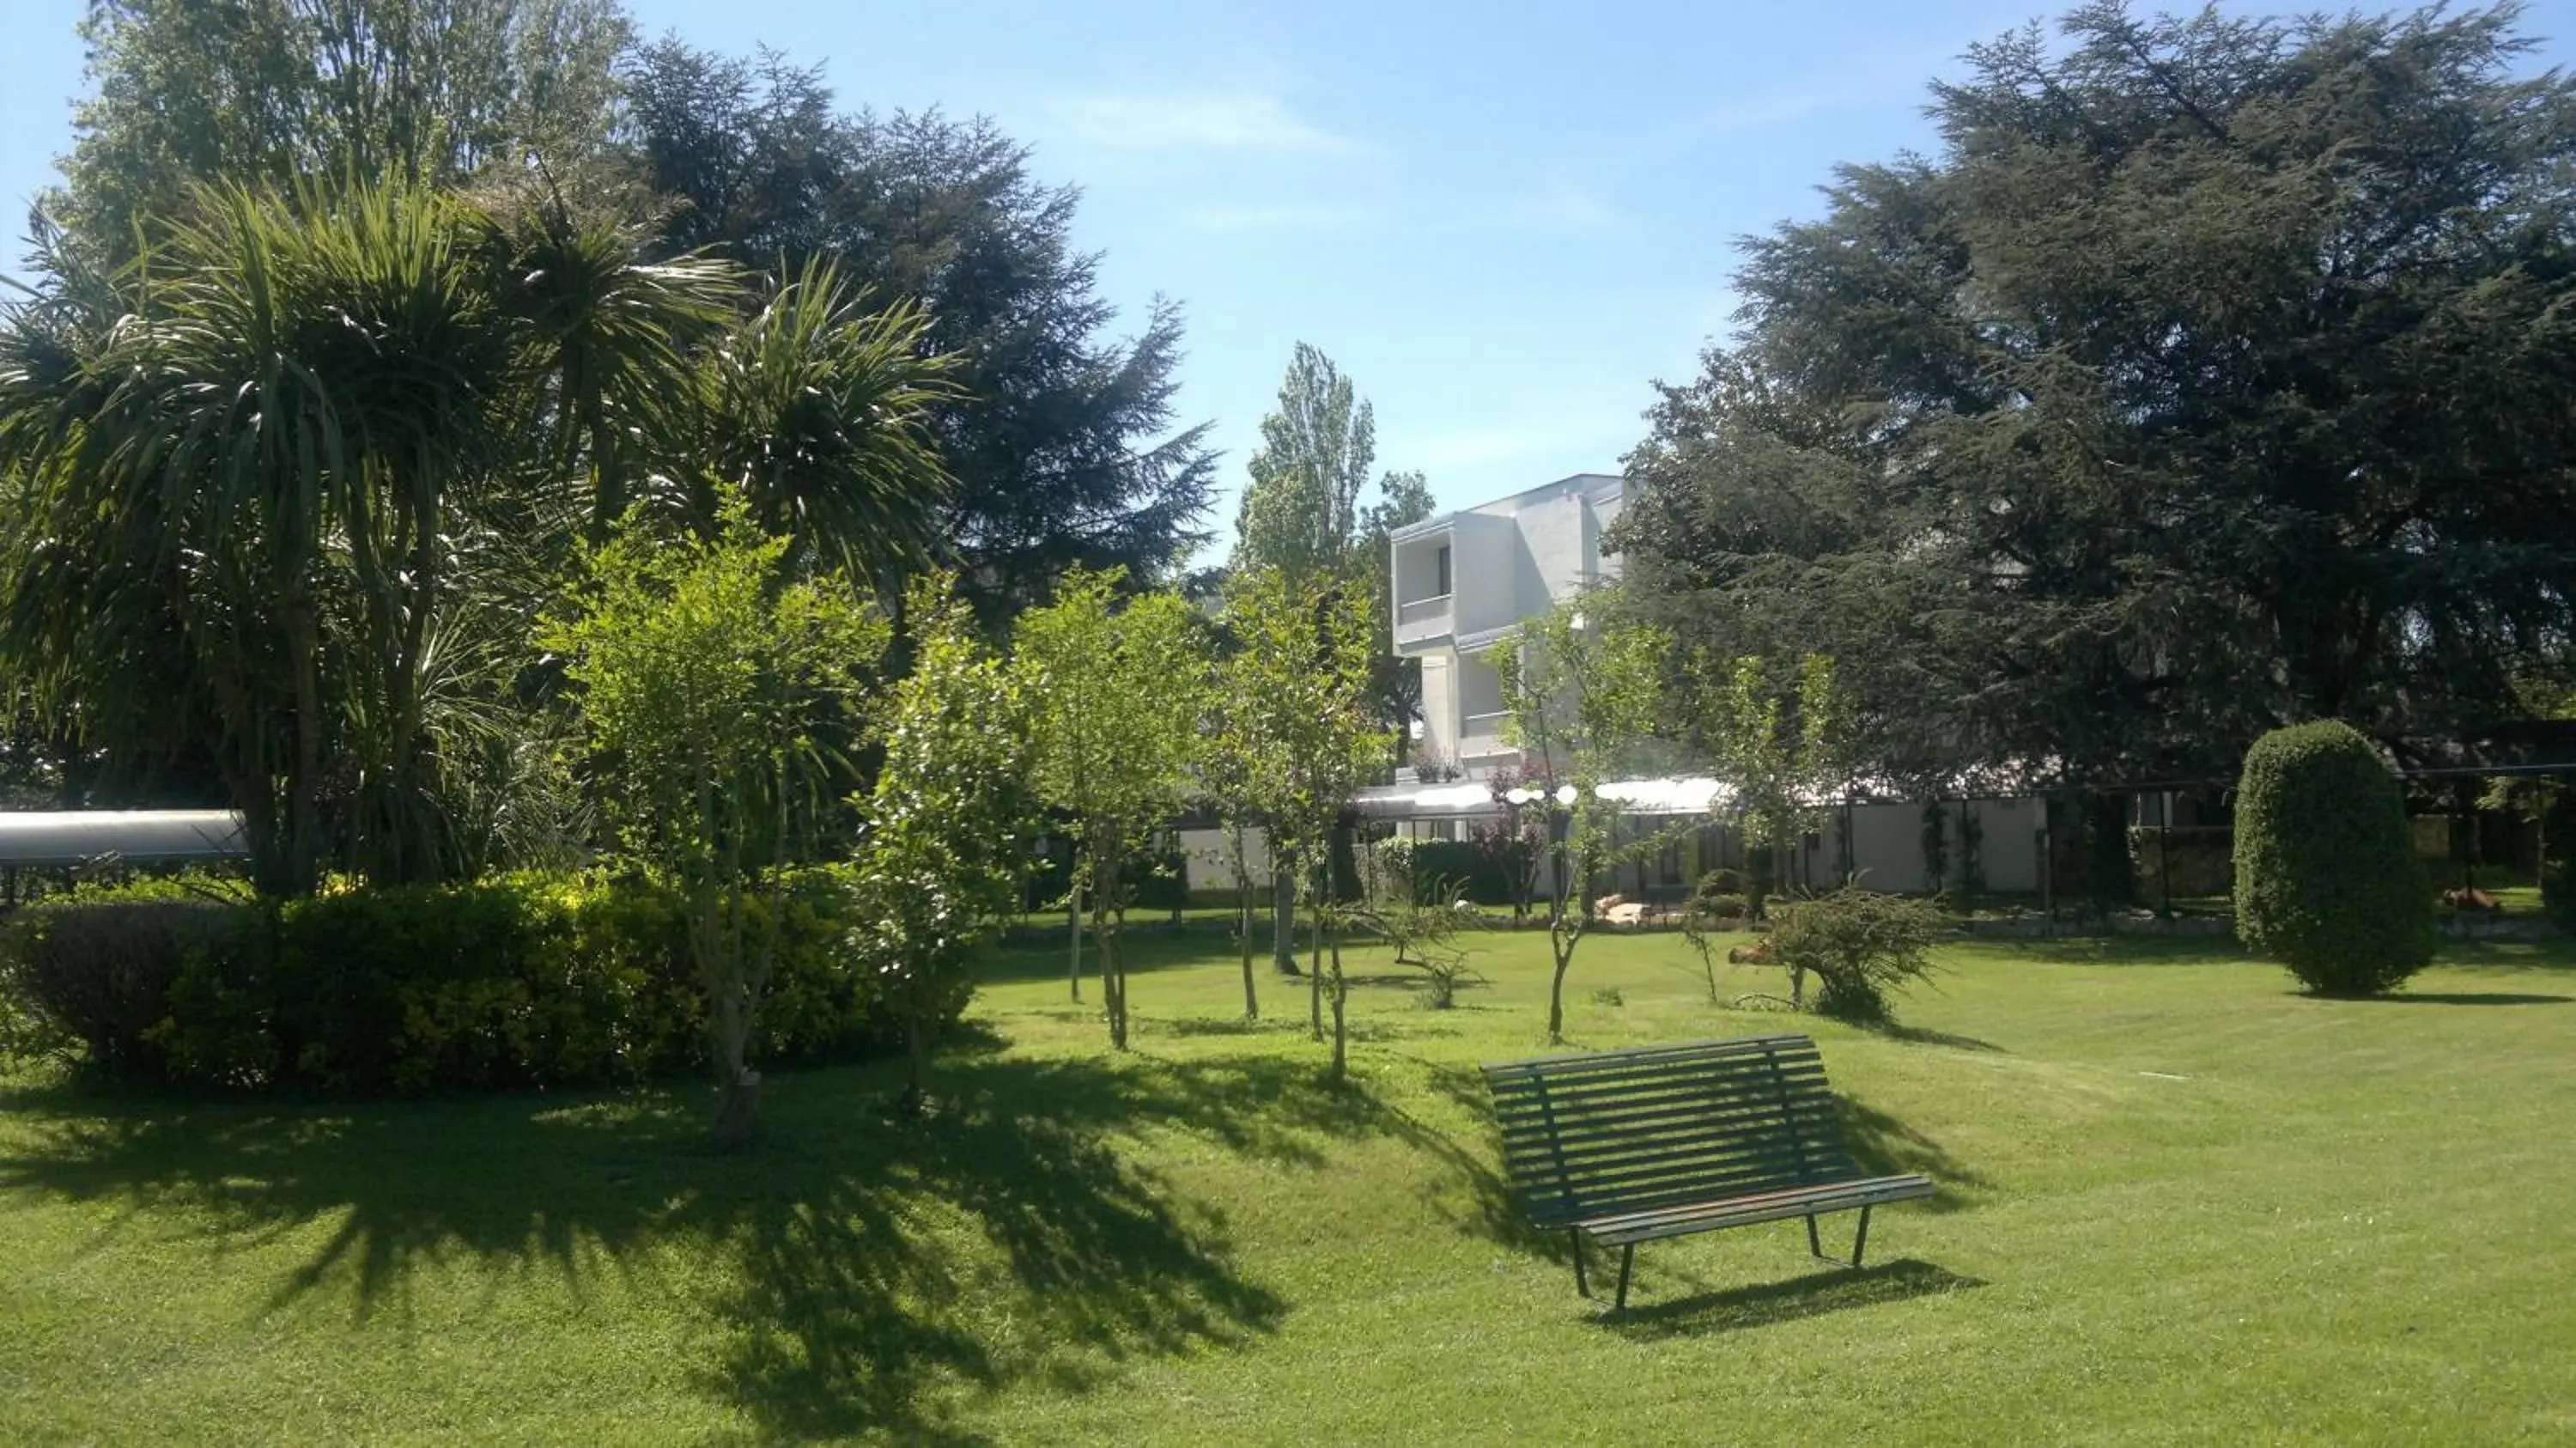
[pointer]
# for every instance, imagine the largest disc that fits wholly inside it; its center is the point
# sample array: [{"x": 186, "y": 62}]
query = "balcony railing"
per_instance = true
[
  {"x": 1482, "y": 733},
  {"x": 1422, "y": 618}
]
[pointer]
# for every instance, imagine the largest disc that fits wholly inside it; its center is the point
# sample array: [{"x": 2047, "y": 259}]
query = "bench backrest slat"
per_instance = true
[{"x": 1621, "y": 1131}]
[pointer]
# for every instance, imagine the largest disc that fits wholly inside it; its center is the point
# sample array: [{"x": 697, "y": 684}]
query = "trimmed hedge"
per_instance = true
[
  {"x": 2326, "y": 881},
  {"x": 530, "y": 981},
  {"x": 2558, "y": 857},
  {"x": 1463, "y": 867}
]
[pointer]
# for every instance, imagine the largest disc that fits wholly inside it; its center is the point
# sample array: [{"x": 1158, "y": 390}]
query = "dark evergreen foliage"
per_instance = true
[
  {"x": 2215, "y": 372},
  {"x": 1061, "y": 444},
  {"x": 2326, "y": 881}
]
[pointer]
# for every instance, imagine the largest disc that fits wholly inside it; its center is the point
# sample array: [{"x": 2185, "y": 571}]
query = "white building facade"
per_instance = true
[{"x": 1465, "y": 582}]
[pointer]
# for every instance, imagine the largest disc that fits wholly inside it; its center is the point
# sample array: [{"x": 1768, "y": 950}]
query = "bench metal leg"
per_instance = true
[
  {"x": 1627, "y": 1254},
  {"x": 1580, "y": 1286},
  {"x": 1860, "y": 1242}
]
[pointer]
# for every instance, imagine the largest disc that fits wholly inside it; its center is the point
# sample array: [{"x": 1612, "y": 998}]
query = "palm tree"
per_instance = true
[
  {"x": 272, "y": 476},
  {"x": 817, "y": 410}
]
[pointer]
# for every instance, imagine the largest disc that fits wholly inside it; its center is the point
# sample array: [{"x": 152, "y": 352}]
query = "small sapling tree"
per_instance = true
[
  {"x": 1315, "y": 736},
  {"x": 1116, "y": 691},
  {"x": 708, "y": 678},
  {"x": 1773, "y": 743},
  {"x": 942, "y": 843},
  {"x": 1228, "y": 765},
  {"x": 1581, "y": 690},
  {"x": 1414, "y": 917}
]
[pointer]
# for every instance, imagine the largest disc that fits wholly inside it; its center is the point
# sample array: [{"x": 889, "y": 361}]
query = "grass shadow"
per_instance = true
[
  {"x": 1767, "y": 1304},
  {"x": 876, "y": 1269},
  {"x": 1925, "y": 1036},
  {"x": 1029, "y": 958},
  {"x": 2505, "y": 954},
  {"x": 2471, "y": 998},
  {"x": 1885, "y": 1146},
  {"x": 2140, "y": 950}
]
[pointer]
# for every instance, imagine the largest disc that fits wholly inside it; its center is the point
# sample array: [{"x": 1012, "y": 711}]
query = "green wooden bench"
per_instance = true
[{"x": 1660, "y": 1141}]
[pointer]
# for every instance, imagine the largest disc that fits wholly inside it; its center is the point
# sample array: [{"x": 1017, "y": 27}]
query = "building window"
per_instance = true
[{"x": 1443, "y": 569}]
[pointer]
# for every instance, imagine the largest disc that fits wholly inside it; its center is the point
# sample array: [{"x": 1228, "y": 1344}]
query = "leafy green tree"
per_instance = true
[
  {"x": 1116, "y": 690},
  {"x": 420, "y": 92},
  {"x": 1582, "y": 690},
  {"x": 944, "y": 827},
  {"x": 1859, "y": 944},
  {"x": 1300, "y": 512},
  {"x": 1228, "y": 771},
  {"x": 323, "y": 458},
  {"x": 1060, "y": 436},
  {"x": 1312, "y": 737},
  {"x": 1301, "y": 515},
  {"x": 288, "y": 455},
  {"x": 2210, "y": 375},
  {"x": 1775, "y": 746},
  {"x": 709, "y": 676}
]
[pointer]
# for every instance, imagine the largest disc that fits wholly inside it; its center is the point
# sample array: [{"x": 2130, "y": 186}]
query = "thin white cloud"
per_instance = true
[
  {"x": 1247, "y": 120},
  {"x": 1257, "y": 218}
]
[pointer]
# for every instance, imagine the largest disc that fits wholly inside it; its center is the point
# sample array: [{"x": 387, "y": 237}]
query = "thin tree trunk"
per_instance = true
[
  {"x": 1560, "y": 939},
  {"x": 1073, "y": 917},
  {"x": 916, "y": 1091},
  {"x": 1113, "y": 952},
  {"x": 1283, "y": 917},
  {"x": 303, "y": 814},
  {"x": 1341, "y": 1032},
  {"x": 1243, "y": 926},
  {"x": 1315, "y": 971}
]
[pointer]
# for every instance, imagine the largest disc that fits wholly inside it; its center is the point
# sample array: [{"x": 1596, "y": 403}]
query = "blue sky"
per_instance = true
[{"x": 1504, "y": 220}]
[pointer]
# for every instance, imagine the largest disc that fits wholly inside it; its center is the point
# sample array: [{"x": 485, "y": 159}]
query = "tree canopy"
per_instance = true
[
  {"x": 2214, "y": 372},
  {"x": 1117, "y": 692},
  {"x": 1061, "y": 436},
  {"x": 289, "y": 497},
  {"x": 416, "y": 91}
]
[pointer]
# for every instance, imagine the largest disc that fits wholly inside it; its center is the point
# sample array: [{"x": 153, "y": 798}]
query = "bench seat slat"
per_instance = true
[
  {"x": 1640, "y": 1056},
  {"x": 1775, "y": 1206},
  {"x": 1679, "y": 1069},
  {"x": 1716, "y": 1166},
  {"x": 1534, "y": 1115},
  {"x": 1714, "y": 1119},
  {"x": 1808, "y": 1118}
]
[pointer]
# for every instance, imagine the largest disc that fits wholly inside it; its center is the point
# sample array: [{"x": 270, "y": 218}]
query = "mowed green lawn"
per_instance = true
[{"x": 2180, "y": 1204}]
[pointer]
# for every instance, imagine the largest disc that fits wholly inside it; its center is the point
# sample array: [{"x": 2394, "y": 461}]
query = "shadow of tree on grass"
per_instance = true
[
  {"x": 1886, "y": 1146},
  {"x": 874, "y": 1269}
]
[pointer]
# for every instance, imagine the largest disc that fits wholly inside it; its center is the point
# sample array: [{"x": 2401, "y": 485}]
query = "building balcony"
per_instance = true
[
  {"x": 1480, "y": 736},
  {"x": 1422, "y": 620}
]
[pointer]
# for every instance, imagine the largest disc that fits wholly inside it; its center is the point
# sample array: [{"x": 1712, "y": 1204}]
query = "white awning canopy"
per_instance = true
[
  {"x": 1695, "y": 795},
  {"x": 55, "y": 838}
]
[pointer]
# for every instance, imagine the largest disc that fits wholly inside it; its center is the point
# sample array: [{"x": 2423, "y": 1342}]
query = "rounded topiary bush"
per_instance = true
[{"x": 2325, "y": 874}]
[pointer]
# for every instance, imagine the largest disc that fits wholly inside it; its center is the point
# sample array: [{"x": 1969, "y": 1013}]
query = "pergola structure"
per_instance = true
[{"x": 68, "y": 840}]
